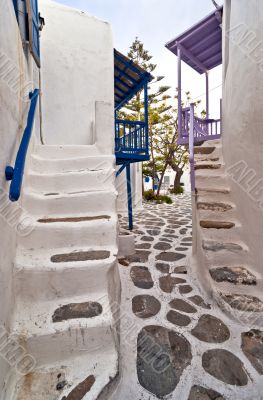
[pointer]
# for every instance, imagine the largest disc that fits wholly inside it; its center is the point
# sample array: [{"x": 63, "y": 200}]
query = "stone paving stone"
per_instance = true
[
  {"x": 166, "y": 240},
  {"x": 161, "y": 374},
  {"x": 170, "y": 236},
  {"x": 141, "y": 277},
  {"x": 77, "y": 310},
  {"x": 184, "y": 289},
  {"x": 168, "y": 282},
  {"x": 199, "y": 301},
  {"x": 147, "y": 238},
  {"x": 212, "y": 245},
  {"x": 139, "y": 256},
  {"x": 177, "y": 318},
  {"x": 181, "y": 305},
  {"x": 145, "y": 306},
  {"x": 252, "y": 346},
  {"x": 225, "y": 366},
  {"x": 169, "y": 231},
  {"x": 181, "y": 248},
  {"x": 163, "y": 267},
  {"x": 201, "y": 393},
  {"x": 211, "y": 330},
  {"x": 243, "y": 302},
  {"x": 143, "y": 246},
  {"x": 169, "y": 256},
  {"x": 81, "y": 256},
  {"x": 180, "y": 270},
  {"x": 236, "y": 275},
  {"x": 124, "y": 262},
  {"x": 81, "y": 389},
  {"x": 153, "y": 232},
  {"x": 162, "y": 246}
]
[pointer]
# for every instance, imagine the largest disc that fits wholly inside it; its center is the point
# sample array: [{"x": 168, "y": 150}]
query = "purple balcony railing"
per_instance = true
[{"x": 203, "y": 129}]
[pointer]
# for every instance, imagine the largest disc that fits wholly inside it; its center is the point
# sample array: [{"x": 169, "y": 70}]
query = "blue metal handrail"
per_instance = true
[{"x": 16, "y": 174}]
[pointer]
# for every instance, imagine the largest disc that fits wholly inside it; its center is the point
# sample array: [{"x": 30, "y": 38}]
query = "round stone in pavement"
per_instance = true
[
  {"x": 168, "y": 282},
  {"x": 162, "y": 246},
  {"x": 162, "y": 356},
  {"x": 180, "y": 270},
  {"x": 252, "y": 346},
  {"x": 201, "y": 393},
  {"x": 225, "y": 366},
  {"x": 181, "y": 305},
  {"x": 147, "y": 238},
  {"x": 178, "y": 319},
  {"x": 140, "y": 256},
  {"x": 211, "y": 330},
  {"x": 145, "y": 306},
  {"x": 184, "y": 289},
  {"x": 163, "y": 267},
  {"x": 141, "y": 277},
  {"x": 170, "y": 256},
  {"x": 143, "y": 246},
  {"x": 199, "y": 301}
]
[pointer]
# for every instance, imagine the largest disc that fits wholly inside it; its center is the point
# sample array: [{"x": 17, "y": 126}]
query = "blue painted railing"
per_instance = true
[
  {"x": 16, "y": 174},
  {"x": 131, "y": 136}
]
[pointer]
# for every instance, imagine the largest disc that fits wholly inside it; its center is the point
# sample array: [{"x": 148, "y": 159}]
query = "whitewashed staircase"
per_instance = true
[
  {"x": 223, "y": 261},
  {"x": 66, "y": 277}
]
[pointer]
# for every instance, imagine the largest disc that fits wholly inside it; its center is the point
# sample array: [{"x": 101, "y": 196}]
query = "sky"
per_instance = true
[{"x": 156, "y": 22}]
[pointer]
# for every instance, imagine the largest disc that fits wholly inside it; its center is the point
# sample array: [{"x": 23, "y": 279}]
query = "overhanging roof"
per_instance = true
[
  {"x": 129, "y": 78},
  {"x": 201, "y": 45}
]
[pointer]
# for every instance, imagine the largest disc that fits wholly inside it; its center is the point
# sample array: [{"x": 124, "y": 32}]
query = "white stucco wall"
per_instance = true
[
  {"x": 77, "y": 71},
  {"x": 136, "y": 183},
  {"x": 17, "y": 73},
  {"x": 243, "y": 116}
]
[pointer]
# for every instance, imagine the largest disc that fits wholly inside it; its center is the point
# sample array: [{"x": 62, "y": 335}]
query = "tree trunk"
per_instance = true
[
  {"x": 161, "y": 179},
  {"x": 177, "y": 179}
]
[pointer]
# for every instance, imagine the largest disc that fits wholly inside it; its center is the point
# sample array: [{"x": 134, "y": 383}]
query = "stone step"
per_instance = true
[
  {"x": 73, "y": 272},
  {"x": 212, "y": 180},
  {"x": 203, "y": 190},
  {"x": 208, "y": 224},
  {"x": 81, "y": 377},
  {"x": 215, "y": 246},
  {"x": 214, "y": 206},
  {"x": 60, "y": 152},
  {"x": 204, "y": 149},
  {"x": 63, "y": 204},
  {"x": 69, "y": 231},
  {"x": 246, "y": 304},
  {"x": 69, "y": 182},
  {"x": 237, "y": 275},
  {"x": 55, "y": 165},
  {"x": 206, "y": 165}
]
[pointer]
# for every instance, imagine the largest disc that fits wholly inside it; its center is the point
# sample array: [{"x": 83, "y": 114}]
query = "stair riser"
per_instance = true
[
  {"x": 61, "y": 345},
  {"x": 61, "y": 283},
  {"x": 67, "y": 151},
  {"x": 61, "y": 235},
  {"x": 82, "y": 204},
  {"x": 210, "y": 181},
  {"x": 72, "y": 182},
  {"x": 42, "y": 165}
]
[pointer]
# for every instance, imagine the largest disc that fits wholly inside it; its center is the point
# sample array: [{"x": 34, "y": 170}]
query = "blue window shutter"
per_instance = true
[
  {"x": 16, "y": 8},
  {"x": 33, "y": 22}
]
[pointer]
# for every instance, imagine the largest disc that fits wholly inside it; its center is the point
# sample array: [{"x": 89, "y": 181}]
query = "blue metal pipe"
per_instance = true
[
  {"x": 16, "y": 174},
  {"x": 146, "y": 116},
  {"x": 129, "y": 193}
]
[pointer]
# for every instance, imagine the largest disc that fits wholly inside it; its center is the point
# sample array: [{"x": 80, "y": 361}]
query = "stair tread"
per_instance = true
[
  {"x": 36, "y": 318},
  {"x": 96, "y": 371},
  {"x": 40, "y": 259}
]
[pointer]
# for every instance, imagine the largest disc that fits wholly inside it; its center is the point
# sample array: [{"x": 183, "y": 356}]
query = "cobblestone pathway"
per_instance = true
[{"x": 175, "y": 344}]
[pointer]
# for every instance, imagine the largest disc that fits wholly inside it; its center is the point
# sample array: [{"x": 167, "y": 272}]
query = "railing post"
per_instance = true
[
  {"x": 179, "y": 72},
  {"x": 191, "y": 148},
  {"x": 129, "y": 194},
  {"x": 207, "y": 94},
  {"x": 146, "y": 117}
]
